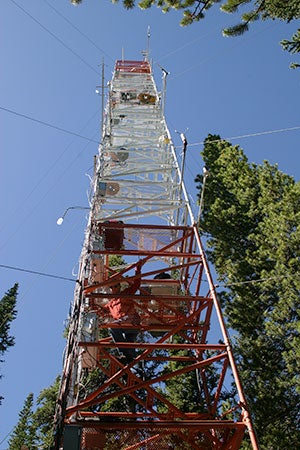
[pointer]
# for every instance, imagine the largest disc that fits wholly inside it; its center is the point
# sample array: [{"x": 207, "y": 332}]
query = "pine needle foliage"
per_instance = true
[
  {"x": 251, "y": 216},
  {"x": 292, "y": 46},
  {"x": 8, "y": 313},
  {"x": 34, "y": 429},
  {"x": 42, "y": 418},
  {"x": 23, "y": 433},
  {"x": 195, "y": 10}
]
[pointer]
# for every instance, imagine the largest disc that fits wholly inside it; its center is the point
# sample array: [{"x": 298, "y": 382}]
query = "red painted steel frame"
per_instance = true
[{"x": 178, "y": 326}]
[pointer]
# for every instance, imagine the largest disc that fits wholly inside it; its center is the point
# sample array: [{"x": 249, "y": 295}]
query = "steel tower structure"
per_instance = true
[{"x": 116, "y": 393}]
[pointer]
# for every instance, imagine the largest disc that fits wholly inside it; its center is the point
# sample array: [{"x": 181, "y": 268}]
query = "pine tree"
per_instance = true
[
  {"x": 23, "y": 435},
  {"x": 195, "y": 10},
  {"x": 8, "y": 313},
  {"x": 251, "y": 216},
  {"x": 42, "y": 418},
  {"x": 292, "y": 46},
  {"x": 34, "y": 429}
]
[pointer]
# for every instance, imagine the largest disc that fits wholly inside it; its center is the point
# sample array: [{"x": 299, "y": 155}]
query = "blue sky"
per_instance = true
[{"x": 50, "y": 122}]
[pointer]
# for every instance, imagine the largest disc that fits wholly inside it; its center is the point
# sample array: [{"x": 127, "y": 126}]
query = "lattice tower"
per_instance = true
[{"x": 118, "y": 393}]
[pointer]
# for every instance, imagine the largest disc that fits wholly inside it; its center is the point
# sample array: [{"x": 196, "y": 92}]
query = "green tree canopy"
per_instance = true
[
  {"x": 253, "y": 10},
  {"x": 42, "y": 418},
  {"x": 8, "y": 313},
  {"x": 23, "y": 433},
  {"x": 34, "y": 429},
  {"x": 251, "y": 216},
  {"x": 194, "y": 10}
]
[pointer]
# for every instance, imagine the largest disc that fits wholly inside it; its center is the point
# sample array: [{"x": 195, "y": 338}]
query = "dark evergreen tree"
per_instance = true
[
  {"x": 195, "y": 10},
  {"x": 8, "y": 313},
  {"x": 23, "y": 435},
  {"x": 34, "y": 429},
  {"x": 42, "y": 418},
  {"x": 251, "y": 216},
  {"x": 292, "y": 46}
]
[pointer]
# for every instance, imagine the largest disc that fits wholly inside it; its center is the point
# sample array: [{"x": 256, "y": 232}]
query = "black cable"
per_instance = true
[
  {"x": 243, "y": 136},
  {"x": 259, "y": 280},
  {"x": 37, "y": 273},
  {"x": 77, "y": 29},
  {"x": 47, "y": 124},
  {"x": 55, "y": 37}
]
